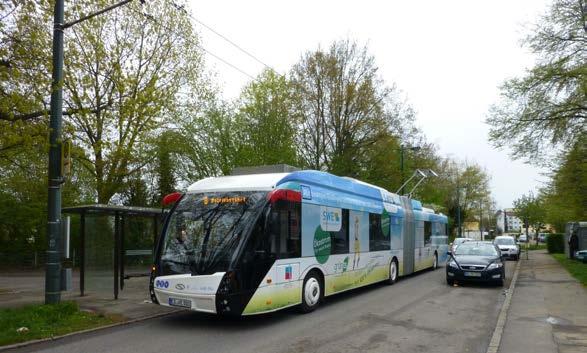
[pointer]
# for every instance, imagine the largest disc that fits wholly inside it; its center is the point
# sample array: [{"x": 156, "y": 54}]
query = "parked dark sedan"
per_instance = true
[{"x": 477, "y": 261}]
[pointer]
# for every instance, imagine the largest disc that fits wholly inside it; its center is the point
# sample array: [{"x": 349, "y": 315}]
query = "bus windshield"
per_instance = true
[{"x": 204, "y": 230}]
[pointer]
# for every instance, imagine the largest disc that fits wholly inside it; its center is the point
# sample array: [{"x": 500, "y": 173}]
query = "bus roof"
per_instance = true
[
  {"x": 249, "y": 182},
  {"x": 267, "y": 182}
]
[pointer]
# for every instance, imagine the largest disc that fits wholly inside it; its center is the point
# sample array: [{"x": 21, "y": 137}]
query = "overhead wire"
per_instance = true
[
  {"x": 196, "y": 44},
  {"x": 183, "y": 9}
]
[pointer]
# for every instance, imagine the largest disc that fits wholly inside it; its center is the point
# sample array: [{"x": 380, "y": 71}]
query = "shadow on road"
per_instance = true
[{"x": 212, "y": 321}]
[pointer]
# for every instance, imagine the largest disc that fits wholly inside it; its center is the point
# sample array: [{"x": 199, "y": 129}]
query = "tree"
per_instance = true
[
  {"x": 465, "y": 188},
  {"x": 130, "y": 70},
  {"x": 25, "y": 44},
  {"x": 530, "y": 210},
  {"x": 210, "y": 142},
  {"x": 341, "y": 104},
  {"x": 164, "y": 167},
  {"x": 548, "y": 105},
  {"x": 264, "y": 109},
  {"x": 564, "y": 197}
]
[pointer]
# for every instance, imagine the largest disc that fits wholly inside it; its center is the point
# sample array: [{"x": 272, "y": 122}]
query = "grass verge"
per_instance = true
[
  {"x": 533, "y": 246},
  {"x": 576, "y": 269},
  {"x": 44, "y": 321}
]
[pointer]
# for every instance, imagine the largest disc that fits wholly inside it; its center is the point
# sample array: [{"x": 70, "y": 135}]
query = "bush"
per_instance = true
[{"x": 555, "y": 243}]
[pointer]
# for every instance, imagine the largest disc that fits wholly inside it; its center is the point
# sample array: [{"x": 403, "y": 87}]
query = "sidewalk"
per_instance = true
[
  {"x": 22, "y": 288},
  {"x": 548, "y": 311}
]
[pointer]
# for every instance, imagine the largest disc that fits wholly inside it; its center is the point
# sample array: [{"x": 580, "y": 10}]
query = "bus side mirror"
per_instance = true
[{"x": 171, "y": 198}]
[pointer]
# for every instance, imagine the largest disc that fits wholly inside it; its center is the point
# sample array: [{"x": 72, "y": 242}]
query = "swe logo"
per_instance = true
[
  {"x": 330, "y": 218},
  {"x": 161, "y": 284}
]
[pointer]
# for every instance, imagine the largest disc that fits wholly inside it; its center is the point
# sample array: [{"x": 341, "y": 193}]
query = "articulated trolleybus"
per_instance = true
[{"x": 251, "y": 244}]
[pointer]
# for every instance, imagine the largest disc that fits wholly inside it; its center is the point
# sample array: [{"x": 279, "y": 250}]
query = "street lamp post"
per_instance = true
[
  {"x": 459, "y": 228},
  {"x": 401, "y": 164}
]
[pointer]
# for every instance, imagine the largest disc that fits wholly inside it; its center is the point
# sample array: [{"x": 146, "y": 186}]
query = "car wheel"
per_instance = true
[
  {"x": 311, "y": 292},
  {"x": 499, "y": 283},
  {"x": 393, "y": 272},
  {"x": 450, "y": 282},
  {"x": 435, "y": 263}
]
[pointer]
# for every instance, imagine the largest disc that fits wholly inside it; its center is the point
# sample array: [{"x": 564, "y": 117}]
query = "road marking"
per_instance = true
[{"x": 501, "y": 319}]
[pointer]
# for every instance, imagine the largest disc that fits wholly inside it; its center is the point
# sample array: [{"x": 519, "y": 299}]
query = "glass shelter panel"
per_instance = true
[{"x": 99, "y": 254}]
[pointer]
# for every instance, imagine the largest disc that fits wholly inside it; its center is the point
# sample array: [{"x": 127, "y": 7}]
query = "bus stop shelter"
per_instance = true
[{"x": 115, "y": 243}]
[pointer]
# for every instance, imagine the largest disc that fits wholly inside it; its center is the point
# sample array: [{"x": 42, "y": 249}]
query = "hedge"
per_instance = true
[{"x": 555, "y": 243}]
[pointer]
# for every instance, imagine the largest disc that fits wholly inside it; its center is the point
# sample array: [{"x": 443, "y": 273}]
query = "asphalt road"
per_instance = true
[{"x": 420, "y": 313}]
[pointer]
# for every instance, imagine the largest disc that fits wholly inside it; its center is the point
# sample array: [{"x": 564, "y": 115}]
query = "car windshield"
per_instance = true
[
  {"x": 505, "y": 241},
  {"x": 478, "y": 249},
  {"x": 204, "y": 230},
  {"x": 460, "y": 240}
]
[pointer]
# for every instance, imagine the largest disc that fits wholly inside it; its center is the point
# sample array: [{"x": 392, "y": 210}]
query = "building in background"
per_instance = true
[{"x": 508, "y": 222}]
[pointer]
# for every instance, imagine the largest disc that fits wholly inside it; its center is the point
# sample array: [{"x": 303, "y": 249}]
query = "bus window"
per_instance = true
[
  {"x": 284, "y": 230},
  {"x": 427, "y": 232},
  {"x": 340, "y": 240},
  {"x": 377, "y": 239}
]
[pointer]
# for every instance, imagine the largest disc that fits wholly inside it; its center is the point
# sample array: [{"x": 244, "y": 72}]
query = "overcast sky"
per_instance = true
[{"x": 447, "y": 57}]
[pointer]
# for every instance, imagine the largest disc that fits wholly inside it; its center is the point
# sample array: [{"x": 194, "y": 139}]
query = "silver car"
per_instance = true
[{"x": 508, "y": 247}]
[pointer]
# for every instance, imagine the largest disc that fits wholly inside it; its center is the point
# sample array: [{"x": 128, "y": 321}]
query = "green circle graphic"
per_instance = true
[{"x": 321, "y": 245}]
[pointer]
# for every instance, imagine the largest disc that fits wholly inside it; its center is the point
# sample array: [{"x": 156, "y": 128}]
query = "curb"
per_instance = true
[
  {"x": 90, "y": 330},
  {"x": 503, "y": 313}
]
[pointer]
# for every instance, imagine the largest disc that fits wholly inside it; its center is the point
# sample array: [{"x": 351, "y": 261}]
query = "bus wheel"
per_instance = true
[
  {"x": 435, "y": 263},
  {"x": 311, "y": 292},
  {"x": 392, "y": 272}
]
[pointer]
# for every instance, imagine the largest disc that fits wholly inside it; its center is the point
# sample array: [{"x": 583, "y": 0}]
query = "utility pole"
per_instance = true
[
  {"x": 459, "y": 229},
  {"x": 481, "y": 220},
  {"x": 53, "y": 262}
]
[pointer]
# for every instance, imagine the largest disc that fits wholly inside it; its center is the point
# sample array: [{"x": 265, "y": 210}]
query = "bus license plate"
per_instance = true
[
  {"x": 184, "y": 303},
  {"x": 473, "y": 274}
]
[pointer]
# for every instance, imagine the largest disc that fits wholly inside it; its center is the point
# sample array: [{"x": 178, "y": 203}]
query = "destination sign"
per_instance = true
[{"x": 227, "y": 199}]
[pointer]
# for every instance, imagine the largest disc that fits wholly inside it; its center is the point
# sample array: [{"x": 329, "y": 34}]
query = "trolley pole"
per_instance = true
[
  {"x": 53, "y": 262},
  {"x": 401, "y": 168}
]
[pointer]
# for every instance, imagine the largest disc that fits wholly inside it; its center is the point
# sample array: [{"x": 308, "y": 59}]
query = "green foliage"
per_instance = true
[
  {"x": 531, "y": 209},
  {"x": 268, "y": 129},
  {"x": 25, "y": 47},
  {"x": 565, "y": 197},
  {"x": 555, "y": 243},
  {"x": 537, "y": 246},
  {"x": 547, "y": 106},
  {"x": 209, "y": 144},
  {"x": 575, "y": 268},
  {"x": 23, "y": 191},
  {"x": 164, "y": 165},
  {"x": 46, "y": 321},
  {"x": 130, "y": 69}
]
